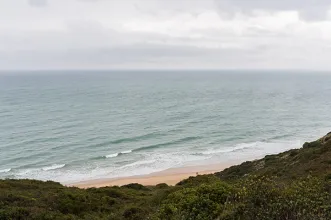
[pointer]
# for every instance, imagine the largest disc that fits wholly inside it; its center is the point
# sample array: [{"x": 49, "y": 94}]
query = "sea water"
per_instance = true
[{"x": 70, "y": 126}]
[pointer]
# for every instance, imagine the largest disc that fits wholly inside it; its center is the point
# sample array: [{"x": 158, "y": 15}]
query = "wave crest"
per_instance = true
[
  {"x": 53, "y": 167},
  {"x": 118, "y": 154},
  {"x": 112, "y": 155},
  {"x": 258, "y": 145},
  {"x": 179, "y": 141}
]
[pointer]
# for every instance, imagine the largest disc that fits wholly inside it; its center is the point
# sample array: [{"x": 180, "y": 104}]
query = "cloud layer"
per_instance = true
[
  {"x": 212, "y": 34},
  {"x": 37, "y": 3}
]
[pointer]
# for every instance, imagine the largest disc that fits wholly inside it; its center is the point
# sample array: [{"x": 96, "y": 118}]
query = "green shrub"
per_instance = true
[
  {"x": 161, "y": 186},
  {"x": 203, "y": 202},
  {"x": 136, "y": 186},
  {"x": 135, "y": 213}
]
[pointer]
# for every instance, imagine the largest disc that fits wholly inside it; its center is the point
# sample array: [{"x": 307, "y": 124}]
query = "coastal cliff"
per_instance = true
[{"x": 295, "y": 184}]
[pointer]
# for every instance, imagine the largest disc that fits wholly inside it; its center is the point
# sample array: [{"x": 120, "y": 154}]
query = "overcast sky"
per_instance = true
[{"x": 165, "y": 34}]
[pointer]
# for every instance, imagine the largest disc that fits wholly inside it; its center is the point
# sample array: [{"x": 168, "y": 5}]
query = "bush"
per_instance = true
[
  {"x": 136, "y": 186},
  {"x": 135, "y": 213},
  {"x": 162, "y": 186},
  {"x": 202, "y": 202}
]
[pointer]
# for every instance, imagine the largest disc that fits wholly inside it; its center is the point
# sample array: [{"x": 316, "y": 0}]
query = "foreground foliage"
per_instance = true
[
  {"x": 252, "y": 198},
  {"x": 291, "y": 185}
]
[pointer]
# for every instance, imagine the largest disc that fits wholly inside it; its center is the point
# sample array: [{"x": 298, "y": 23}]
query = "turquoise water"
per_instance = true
[{"x": 74, "y": 125}]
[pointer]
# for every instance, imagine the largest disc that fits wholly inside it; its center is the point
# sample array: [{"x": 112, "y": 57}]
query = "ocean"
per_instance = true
[{"x": 70, "y": 126}]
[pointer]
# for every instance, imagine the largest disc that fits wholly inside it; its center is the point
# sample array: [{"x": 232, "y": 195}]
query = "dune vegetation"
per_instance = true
[{"x": 292, "y": 185}]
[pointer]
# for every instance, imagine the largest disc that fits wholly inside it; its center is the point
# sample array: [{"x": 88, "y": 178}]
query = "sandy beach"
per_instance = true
[{"x": 171, "y": 176}]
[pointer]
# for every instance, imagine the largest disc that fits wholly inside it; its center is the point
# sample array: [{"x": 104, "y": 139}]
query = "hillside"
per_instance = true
[
  {"x": 313, "y": 158},
  {"x": 291, "y": 185}
]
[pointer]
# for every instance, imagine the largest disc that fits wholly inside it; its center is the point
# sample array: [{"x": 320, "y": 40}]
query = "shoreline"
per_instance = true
[{"x": 170, "y": 176}]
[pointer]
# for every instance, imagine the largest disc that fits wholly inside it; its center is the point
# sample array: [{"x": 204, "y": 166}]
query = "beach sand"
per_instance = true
[{"x": 171, "y": 176}]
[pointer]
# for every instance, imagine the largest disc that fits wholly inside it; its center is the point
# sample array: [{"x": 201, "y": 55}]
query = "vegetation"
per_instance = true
[
  {"x": 313, "y": 159},
  {"x": 292, "y": 185}
]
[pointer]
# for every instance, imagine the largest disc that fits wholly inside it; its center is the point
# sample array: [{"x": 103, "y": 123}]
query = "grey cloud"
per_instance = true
[
  {"x": 162, "y": 56},
  {"x": 98, "y": 56},
  {"x": 37, "y": 3},
  {"x": 309, "y": 10},
  {"x": 113, "y": 33},
  {"x": 272, "y": 4},
  {"x": 314, "y": 13}
]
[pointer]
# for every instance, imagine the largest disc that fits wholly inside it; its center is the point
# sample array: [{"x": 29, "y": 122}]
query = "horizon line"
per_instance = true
[{"x": 170, "y": 69}]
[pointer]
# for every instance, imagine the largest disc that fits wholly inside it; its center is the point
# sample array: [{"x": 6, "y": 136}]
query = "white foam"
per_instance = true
[
  {"x": 138, "y": 163},
  {"x": 154, "y": 163},
  {"x": 248, "y": 145},
  {"x": 112, "y": 155},
  {"x": 117, "y": 154},
  {"x": 26, "y": 172},
  {"x": 237, "y": 147},
  {"x": 267, "y": 147},
  {"x": 53, "y": 167},
  {"x": 150, "y": 162},
  {"x": 5, "y": 170},
  {"x": 126, "y": 152},
  {"x": 218, "y": 151}
]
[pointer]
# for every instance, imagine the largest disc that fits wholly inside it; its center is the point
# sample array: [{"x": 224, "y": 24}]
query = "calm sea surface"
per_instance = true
[{"x": 69, "y": 126}]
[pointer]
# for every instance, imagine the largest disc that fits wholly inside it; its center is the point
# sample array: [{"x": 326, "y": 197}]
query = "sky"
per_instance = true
[{"x": 165, "y": 34}]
